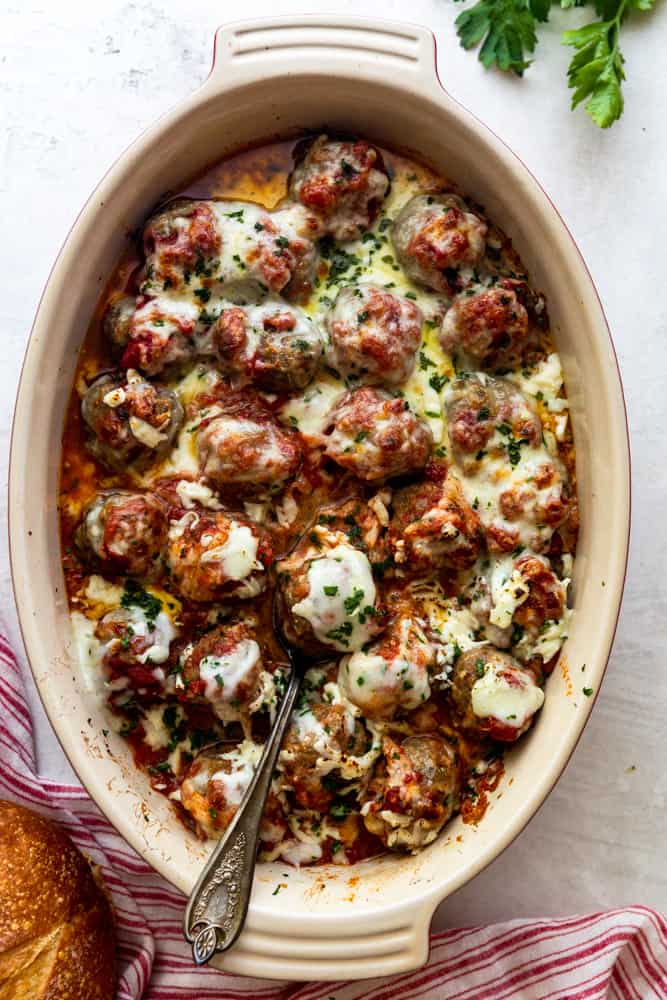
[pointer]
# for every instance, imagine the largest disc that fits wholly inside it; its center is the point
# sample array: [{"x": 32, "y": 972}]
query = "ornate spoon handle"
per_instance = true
[{"x": 217, "y": 908}]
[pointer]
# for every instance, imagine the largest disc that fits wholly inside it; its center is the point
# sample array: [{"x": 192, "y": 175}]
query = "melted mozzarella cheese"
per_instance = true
[
  {"x": 544, "y": 381},
  {"x": 453, "y": 627},
  {"x": 422, "y": 390},
  {"x": 244, "y": 760},
  {"x": 238, "y": 555},
  {"x": 224, "y": 674},
  {"x": 100, "y": 591},
  {"x": 363, "y": 675},
  {"x": 509, "y": 589},
  {"x": 514, "y": 704},
  {"x": 89, "y": 652},
  {"x": 156, "y": 733},
  {"x": 192, "y": 493},
  {"x": 145, "y": 433},
  {"x": 549, "y": 639},
  {"x": 495, "y": 475},
  {"x": 182, "y": 460},
  {"x": 340, "y": 590},
  {"x": 309, "y": 411}
]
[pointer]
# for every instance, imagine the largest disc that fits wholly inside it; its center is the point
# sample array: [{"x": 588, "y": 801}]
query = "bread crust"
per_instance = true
[{"x": 57, "y": 939}]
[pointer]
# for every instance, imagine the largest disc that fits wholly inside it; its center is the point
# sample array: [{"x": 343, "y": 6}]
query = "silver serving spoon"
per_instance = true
[{"x": 218, "y": 904}]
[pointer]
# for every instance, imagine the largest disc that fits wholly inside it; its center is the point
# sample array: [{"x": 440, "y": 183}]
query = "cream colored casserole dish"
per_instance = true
[{"x": 377, "y": 79}]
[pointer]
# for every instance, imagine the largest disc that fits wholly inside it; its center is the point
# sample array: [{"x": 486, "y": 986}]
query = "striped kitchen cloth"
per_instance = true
[{"x": 619, "y": 954}]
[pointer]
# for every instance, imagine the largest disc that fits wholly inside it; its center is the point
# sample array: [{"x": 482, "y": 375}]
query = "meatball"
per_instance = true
[
  {"x": 212, "y": 556},
  {"x": 392, "y": 674},
  {"x": 496, "y": 438},
  {"x": 130, "y": 421},
  {"x": 223, "y": 668},
  {"x": 481, "y": 408},
  {"x": 215, "y": 783},
  {"x": 322, "y": 738},
  {"x": 136, "y": 645},
  {"x": 241, "y": 445},
  {"x": 363, "y": 522},
  {"x": 373, "y": 335},
  {"x": 493, "y": 694},
  {"x": 488, "y": 326},
  {"x": 161, "y": 334},
  {"x": 377, "y": 436},
  {"x": 327, "y": 595},
  {"x": 435, "y": 238},
  {"x": 229, "y": 247},
  {"x": 274, "y": 345},
  {"x": 415, "y": 789},
  {"x": 180, "y": 238},
  {"x": 124, "y": 533},
  {"x": 434, "y": 527},
  {"x": 341, "y": 182},
  {"x": 546, "y": 594}
]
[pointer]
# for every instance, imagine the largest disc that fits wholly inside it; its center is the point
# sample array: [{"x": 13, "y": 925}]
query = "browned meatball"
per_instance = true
[
  {"x": 414, "y": 791},
  {"x": 435, "y": 237},
  {"x": 204, "y": 246},
  {"x": 373, "y": 335},
  {"x": 162, "y": 335},
  {"x": 434, "y": 527},
  {"x": 327, "y": 594},
  {"x": 136, "y": 648},
  {"x": 546, "y": 594},
  {"x": 342, "y": 183},
  {"x": 364, "y": 522},
  {"x": 392, "y": 674},
  {"x": 320, "y": 739},
  {"x": 274, "y": 345},
  {"x": 214, "y": 785},
  {"x": 496, "y": 438},
  {"x": 480, "y": 408},
  {"x": 215, "y": 555},
  {"x": 223, "y": 668},
  {"x": 377, "y": 436},
  {"x": 241, "y": 445},
  {"x": 488, "y": 326},
  {"x": 493, "y": 694},
  {"x": 180, "y": 238},
  {"x": 130, "y": 420},
  {"x": 124, "y": 533}
]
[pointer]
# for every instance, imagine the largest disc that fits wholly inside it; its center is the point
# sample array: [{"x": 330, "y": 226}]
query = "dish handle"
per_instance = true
[
  {"x": 325, "y": 44},
  {"x": 349, "y": 947}
]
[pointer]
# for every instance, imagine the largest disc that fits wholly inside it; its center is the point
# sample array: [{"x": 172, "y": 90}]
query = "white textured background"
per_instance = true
[{"x": 79, "y": 80}]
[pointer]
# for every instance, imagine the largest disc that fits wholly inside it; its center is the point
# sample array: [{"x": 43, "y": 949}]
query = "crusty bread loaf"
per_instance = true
[{"x": 57, "y": 938}]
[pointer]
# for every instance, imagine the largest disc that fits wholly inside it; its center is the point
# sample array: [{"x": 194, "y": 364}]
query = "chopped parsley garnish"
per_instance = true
[
  {"x": 587, "y": 691},
  {"x": 352, "y": 603},
  {"x": 330, "y": 591},
  {"x": 134, "y": 596},
  {"x": 438, "y": 381},
  {"x": 361, "y": 436},
  {"x": 203, "y": 294},
  {"x": 341, "y": 634},
  {"x": 236, "y": 215},
  {"x": 340, "y": 810},
  {"x": 480, "y": 667},
  {"x": 425, "y": 362}
]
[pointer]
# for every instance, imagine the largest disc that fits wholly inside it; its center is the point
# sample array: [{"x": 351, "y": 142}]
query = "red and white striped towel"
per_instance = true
[{"x": 620, "y": 954}]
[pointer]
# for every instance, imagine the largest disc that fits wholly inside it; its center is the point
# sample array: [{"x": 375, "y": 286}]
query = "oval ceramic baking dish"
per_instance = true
[{"x": 377, "y": 79}]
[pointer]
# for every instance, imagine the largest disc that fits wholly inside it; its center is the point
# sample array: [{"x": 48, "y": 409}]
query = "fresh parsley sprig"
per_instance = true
[{"x": 505, "y": 31}]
